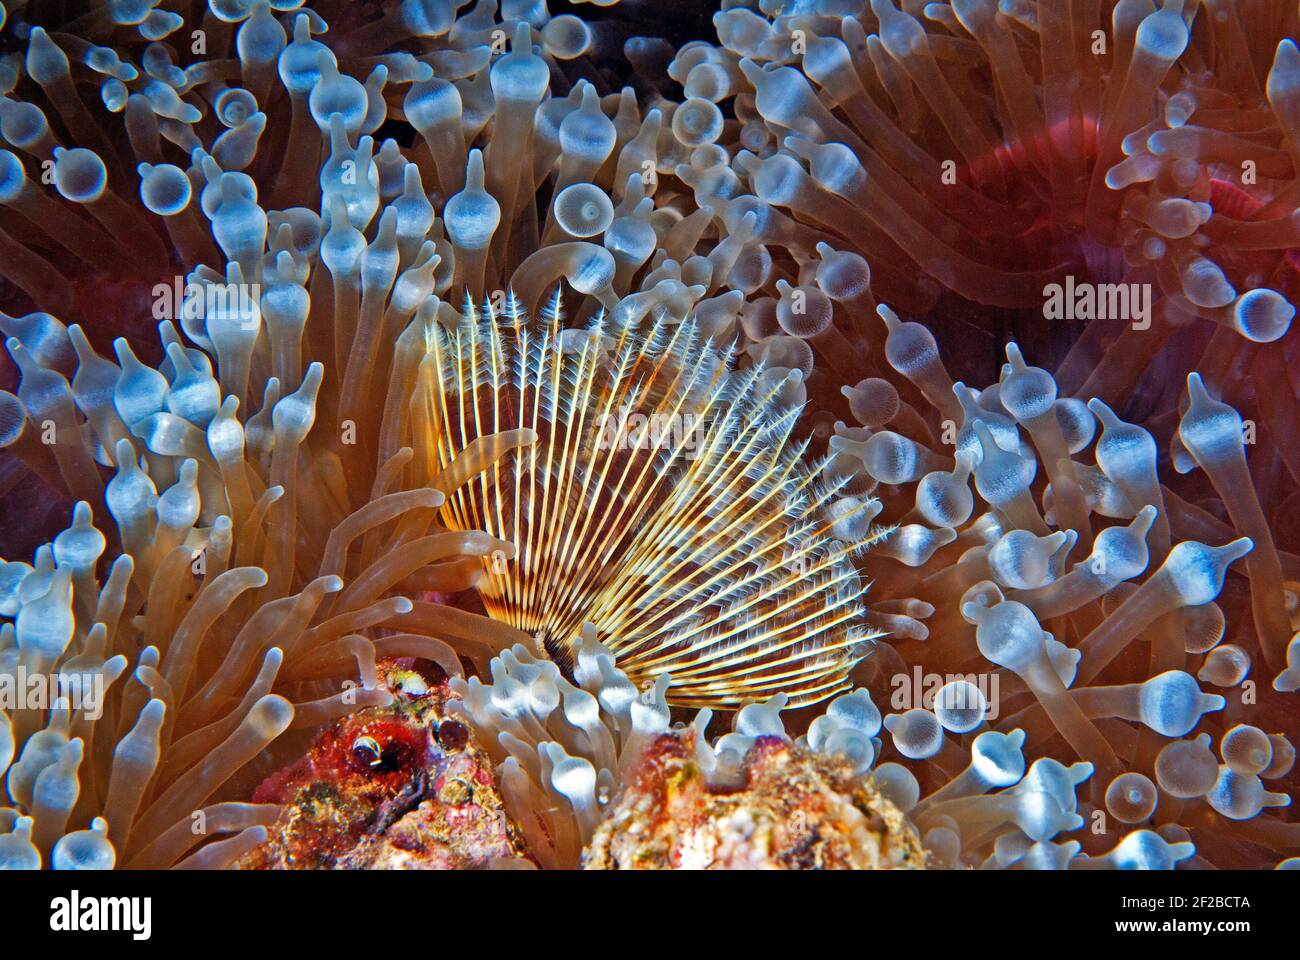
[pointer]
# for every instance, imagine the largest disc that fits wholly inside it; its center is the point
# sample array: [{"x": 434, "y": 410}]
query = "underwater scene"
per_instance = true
[{"x": 658, "y": 434}]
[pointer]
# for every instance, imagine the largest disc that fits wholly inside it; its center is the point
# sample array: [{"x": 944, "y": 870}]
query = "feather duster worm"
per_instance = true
[{"x": 663, "y": 502}]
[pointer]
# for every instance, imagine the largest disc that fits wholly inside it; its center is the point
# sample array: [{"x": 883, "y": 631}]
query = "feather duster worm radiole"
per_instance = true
[{"x": 663, "y": 502}]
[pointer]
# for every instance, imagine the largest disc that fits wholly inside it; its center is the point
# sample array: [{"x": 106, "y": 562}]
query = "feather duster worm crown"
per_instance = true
[{"x": 664, "y": 501}]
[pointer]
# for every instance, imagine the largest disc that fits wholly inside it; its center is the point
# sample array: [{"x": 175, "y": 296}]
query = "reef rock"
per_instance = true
[{"x": 794, "y": 809}]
